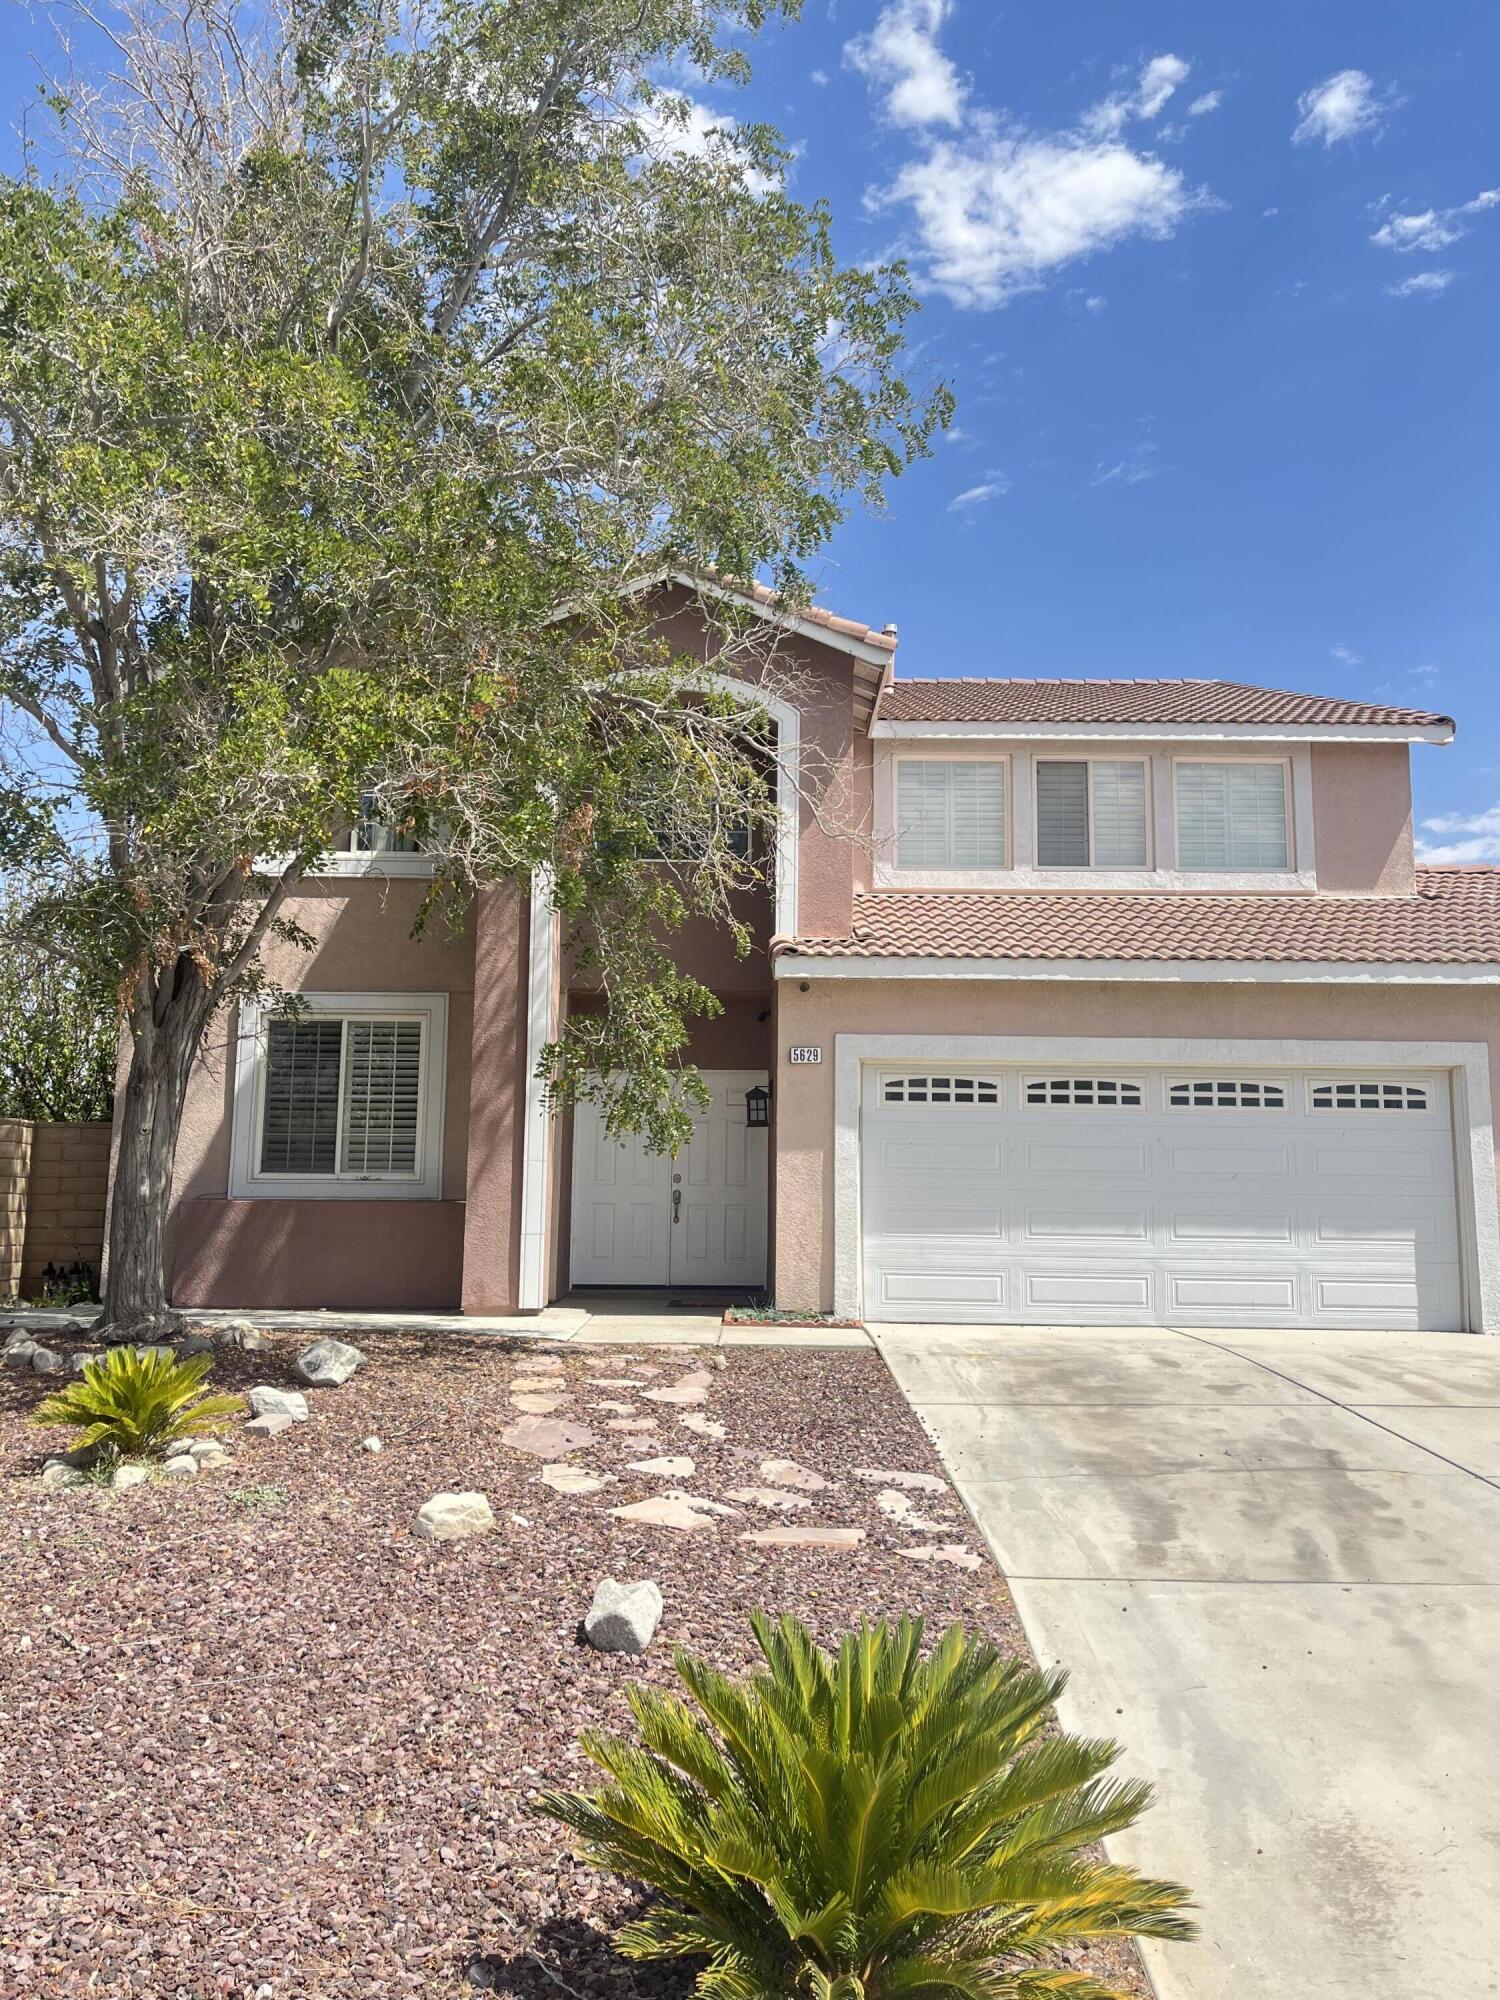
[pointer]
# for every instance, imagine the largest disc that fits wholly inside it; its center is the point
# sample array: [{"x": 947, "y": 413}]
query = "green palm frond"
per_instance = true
[
  {"x": 133, "y": 1403},
  {"x": 867, "y": 1825}
]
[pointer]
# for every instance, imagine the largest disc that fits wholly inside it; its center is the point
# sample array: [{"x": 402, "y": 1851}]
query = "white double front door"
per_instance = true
[{"x": 697, "y": 1218}]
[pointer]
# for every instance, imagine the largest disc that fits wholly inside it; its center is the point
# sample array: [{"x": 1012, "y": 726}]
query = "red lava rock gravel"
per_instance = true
[{"x": 256, "y": 1737}]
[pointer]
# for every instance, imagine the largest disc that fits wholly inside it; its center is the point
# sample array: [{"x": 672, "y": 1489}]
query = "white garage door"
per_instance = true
[{"x": 1159, "y": 1197}]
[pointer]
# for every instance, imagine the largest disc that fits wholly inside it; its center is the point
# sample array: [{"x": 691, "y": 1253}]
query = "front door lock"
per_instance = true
[{"x": 677, "y": 1204}]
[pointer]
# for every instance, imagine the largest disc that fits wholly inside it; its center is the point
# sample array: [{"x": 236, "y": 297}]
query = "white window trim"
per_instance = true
[
  {"x": 340, "y": 862},
  {"x": 1298, "y": 829},
  {"x": 1089, "y": 869},
  {"x": 1468, "y": 1065},
  {"x": 248, "y": 1183},
  {"x": 889, "y": 873},
  {"x": 1020, "y": 812}
]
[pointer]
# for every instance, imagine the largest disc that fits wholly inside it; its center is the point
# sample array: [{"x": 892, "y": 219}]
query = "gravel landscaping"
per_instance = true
[{"x": 262, "y": 1739}]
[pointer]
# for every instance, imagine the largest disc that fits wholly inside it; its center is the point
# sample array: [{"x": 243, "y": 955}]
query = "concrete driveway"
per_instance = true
[{"x": 1272, "y": 1563}]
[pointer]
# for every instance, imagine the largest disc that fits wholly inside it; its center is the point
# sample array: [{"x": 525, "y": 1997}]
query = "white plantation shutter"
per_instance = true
[
  {"x": 950, "y": 815},
  {"x": 1119, "y": 813},
  {"x": 382, "y": 1096},
  {"x": 1062, "y": 813},
  {"x": 299, "y": 1126},
  {"x": 1231, "y": 816}
]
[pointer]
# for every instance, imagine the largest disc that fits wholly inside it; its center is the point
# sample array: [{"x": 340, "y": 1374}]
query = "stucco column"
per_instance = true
[{"x": 497, "y": 1098}]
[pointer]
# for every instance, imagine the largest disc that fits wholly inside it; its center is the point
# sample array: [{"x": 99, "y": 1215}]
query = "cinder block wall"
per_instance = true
[
  {"x": 66, "y": 1193},
  {"x": 54, "y": 1180},
  {"x": 15, "y": 1171}
]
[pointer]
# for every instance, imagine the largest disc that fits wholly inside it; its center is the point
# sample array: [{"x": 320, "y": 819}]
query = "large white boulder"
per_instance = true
[
  {"x": 452, "y": 1517},
  {"x": 268, "y": 1402},
  {"x": 623, "y": 1616}
]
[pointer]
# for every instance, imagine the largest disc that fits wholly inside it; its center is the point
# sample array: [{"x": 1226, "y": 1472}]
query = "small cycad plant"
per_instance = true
[
  {"x": 131, "y": 1403},
  {"x": 874, "y": 1824}
]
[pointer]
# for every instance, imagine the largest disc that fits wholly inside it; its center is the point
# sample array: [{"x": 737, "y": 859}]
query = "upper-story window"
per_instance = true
[
  {"x": 950, "y": 812},
  {"x": 1232, "y": 815},
  {"x": 1091, "y": 812},
  {"x": 374, "y": 833}
]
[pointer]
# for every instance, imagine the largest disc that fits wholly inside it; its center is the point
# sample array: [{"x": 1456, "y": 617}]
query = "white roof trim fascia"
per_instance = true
[
  {"x": 1190, "y": 972},
  {"x": 1170, "y": 732}
]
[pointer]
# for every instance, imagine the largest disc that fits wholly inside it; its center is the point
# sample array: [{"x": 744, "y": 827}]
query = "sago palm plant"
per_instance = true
[
  {"x": 874, "y": 1825},
  {"x": 134, "y": 1404}
]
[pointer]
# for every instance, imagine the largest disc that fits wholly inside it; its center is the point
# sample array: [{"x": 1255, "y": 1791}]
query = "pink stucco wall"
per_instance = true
[
  {"x": 1362, "y": 818},
  {"x": 804, "y": 1273},
  {"x": 359, "y": 1254}
]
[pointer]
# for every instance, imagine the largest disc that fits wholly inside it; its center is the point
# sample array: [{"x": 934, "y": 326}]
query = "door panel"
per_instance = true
[{"x": 624, "y": 1231}]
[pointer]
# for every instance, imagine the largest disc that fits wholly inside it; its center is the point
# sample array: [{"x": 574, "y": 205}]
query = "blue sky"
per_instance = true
[{"x": 1218, "y": 291}]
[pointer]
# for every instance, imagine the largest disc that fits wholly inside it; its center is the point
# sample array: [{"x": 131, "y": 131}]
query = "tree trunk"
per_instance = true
[{"x": 165, "y": 1028}]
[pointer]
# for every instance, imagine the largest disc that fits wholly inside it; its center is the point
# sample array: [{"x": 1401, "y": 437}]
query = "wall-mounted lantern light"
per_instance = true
[{"x": 757, "y": 1106}]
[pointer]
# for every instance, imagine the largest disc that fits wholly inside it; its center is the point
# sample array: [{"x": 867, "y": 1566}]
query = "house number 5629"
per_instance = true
[{"x": 807, "y": 1053}]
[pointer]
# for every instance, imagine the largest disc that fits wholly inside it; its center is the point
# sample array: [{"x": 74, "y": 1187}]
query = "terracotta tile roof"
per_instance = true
[
  {"x": 1133, "y": 701},
  {"x": 814, "y": 614},
  {"x": 1453, "y": 919}
]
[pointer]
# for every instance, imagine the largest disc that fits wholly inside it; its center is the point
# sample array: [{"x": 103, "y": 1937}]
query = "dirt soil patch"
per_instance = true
[{"x": 258, "y": 1738}]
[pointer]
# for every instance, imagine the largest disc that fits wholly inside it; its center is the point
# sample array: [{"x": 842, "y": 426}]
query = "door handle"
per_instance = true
[{"x": 677, "y": 1204}]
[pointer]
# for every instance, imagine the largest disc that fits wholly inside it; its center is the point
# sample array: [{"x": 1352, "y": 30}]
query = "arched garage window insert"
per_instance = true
[{"x": 940, "y": 1090}]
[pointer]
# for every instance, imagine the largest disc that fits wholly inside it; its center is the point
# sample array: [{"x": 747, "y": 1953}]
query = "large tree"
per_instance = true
[{"x": 360, "y": 366}]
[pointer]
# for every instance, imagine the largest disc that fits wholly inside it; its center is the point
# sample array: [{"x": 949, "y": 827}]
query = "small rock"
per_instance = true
[
  {"x": 617, "y": 1409},
  {"x": 247, "y": 1338},
  {"x": 57, "y": 1477},
  {"x": 269, "y": 1426},
  {"x": 157, "y": 1347},
  {"x": 623, "y": 1616},
  {"x": 537, "y": 1406},
  {"x": 787, "y": 1472},
  {"x": 571, "y": 1479},
  {"x": 195, "y": 1343},
  {"x": 18, "y": 1351},
  {"x": 181, "y": 1465},
  {"x": 807, "y": 1538},
  {"x": 718, "y": 1360},
  {"x": 268, "y": 1402},
  {"x": 770, "y": 1497},
  {"x": 18, "y": 1338},
  {"x": 126, "y": 1476},
  {"x": 664, "y": 1468},
  {"x": 704, "y": 1426},
  {"x": 916, "y": 1482},
  {"x": 208, "y": 1452},
  {"x": 47, "y": 1361},
  {"x": 82, "y": 1361},
  {"x": 371, "y": 1444},
  {"x": 452, "y": 1517},
  {"x": 950, "y": 1552},
  {"x": 328, "y": 1363}
]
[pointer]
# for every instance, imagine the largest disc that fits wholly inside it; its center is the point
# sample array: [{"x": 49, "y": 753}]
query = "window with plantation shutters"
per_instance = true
[
  {"x": 1232, "y": 816},
  {"x": 342, "y": 1098},
  {"x": 950, "y": 813},
  {"x": 1091, "y": 812},
  {"x": 382, "y": 1093}
]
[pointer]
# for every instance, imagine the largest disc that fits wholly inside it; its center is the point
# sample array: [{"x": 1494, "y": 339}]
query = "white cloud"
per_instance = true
[
  {"x": 1422, "y": 285},
  {"x": 1158, "y": 79},
  {"x": 1424, "y": 673},
  {"x": 976, "y": 496},
  {"x": 1339, "y": 107},
  {"x": 901, "y": 55},
  {"x": 997, "y": 209},
  {"x": 997, "y": 212},
  {"x": 1209, "y": 101},
  {"x": 1432, "y": 228},
  {"x": 1481, "y": 840},
  {"x": 1343, "y": 653},
  {"x": 1095, "y": 302},
  {"x": 1134, "y": 469},
  {"x": 818, "y": 76}
]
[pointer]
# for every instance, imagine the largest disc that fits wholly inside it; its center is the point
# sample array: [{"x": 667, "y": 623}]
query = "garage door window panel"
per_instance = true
[
  {"x": 940, "y": 1090},
  {"x": 1203, "y": 1093},
  {"x": 1367, "y": 1094},
  {"x": 1232, "y": 817},
  {"x": 1091, "y": 1093}
]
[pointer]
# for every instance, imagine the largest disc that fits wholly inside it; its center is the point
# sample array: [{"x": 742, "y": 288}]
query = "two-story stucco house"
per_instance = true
[{"x": 1135, "y": 1009}]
